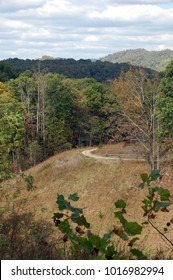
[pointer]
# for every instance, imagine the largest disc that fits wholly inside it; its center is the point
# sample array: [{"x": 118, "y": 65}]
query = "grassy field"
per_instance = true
[{"x": 99, "y": 184}]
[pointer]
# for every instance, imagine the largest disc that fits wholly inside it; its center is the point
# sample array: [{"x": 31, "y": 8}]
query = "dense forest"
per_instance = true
[
  {"x": 71, "y": 68},
  {"x": 44, "y": 113},
  {"x": 156, "y": 60}
]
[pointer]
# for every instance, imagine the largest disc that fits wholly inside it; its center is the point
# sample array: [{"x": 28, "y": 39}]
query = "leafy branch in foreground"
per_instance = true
[
  {"x": 158, "y": 199},
  {"x": 82, "y": 242},
  {"x": 73, "y": 224}
]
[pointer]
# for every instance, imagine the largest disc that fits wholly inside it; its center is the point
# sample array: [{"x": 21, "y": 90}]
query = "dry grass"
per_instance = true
[{"x": 99, "y": 184}]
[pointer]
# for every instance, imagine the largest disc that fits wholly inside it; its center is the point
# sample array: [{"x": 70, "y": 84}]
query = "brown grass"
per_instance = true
[{"x": 99, "y": 184}]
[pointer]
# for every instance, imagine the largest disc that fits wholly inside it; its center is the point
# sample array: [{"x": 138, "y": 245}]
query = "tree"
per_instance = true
[
  {"x": 164, "y": 104},
  {"x": 11, "y": 132},
  {"x": 136, "y": 92}
]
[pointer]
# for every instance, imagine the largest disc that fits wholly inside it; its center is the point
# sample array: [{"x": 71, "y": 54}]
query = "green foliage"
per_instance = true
[
  {"x": 120, "y": 204},
  {"x": 139, "y": 255},
  {"x": 164, "y": 107},
  {"x": 73, "y": 224},
  {"x": 62, "y": 113},
  {"x": 6, "y": 72},
  {"x": 11, "y": 132},
  {"x": 101, "y": 71},
  {"x": 157, "y": 60}
]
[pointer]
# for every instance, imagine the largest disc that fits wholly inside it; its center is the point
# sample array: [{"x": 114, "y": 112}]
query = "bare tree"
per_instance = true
[{"x": 135, "y": 92}]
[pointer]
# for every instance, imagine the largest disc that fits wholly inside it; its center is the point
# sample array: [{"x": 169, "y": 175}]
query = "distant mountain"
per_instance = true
[
  {"x": 99, "y": 70},
  {"x": 156, "y": 60}
]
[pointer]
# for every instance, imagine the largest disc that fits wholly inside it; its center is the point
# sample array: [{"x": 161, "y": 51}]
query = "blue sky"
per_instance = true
[{"x": 83, "y": 29}]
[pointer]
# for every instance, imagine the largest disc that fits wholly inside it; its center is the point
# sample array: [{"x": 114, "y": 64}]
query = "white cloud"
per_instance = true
[
  {"x": 132, "y": 13},
  {"x": 91, "y": 38},
  {"x": 13, "y": 5},
  {"x": 74, "y": 28}
]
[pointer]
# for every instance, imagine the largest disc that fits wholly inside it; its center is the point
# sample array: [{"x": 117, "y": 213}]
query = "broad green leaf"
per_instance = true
[
  {"x": 98, "y": 242},
  {"x": 62, "y": 203},
  {"x": 171, "y": 221},
  {"x": 74, "y": 197},
  {"x": 155, "y": 174},
  {"x": 108, "y": 235},
  {"x": 75, "y": 216},
  {"x": 155, "y": 189},
  {"x": 132, "y": 228},
  {"x": 164, "y": 194},
  {"x": 145, "y": 223},
  {"x": 120, "y": 204},
  {"x": 120, "y": 216},
  {"x": 158, "y": 205},
  {"x": 123, "y": 236},
  {"x": 58, "y": 215},
  {"x": 137, "y": 253},
  {"x": 81, "y": 221},
  {"x": 64, "y": 227},
  {"x": 134, "y": 240},
  {"x": 145, "y": 178},
  {"x": 85, "y": 243},
  {"x": 65, "y": 205},
  {"x": 141, "y": 185},
  {"x": 111, "y": 251}
]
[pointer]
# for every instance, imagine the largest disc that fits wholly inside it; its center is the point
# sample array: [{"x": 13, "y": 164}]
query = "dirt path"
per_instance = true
[{"x": 88, "y": 153}]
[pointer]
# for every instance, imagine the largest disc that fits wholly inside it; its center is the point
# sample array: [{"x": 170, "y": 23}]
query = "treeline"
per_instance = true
[
  {"x": 45, "y": 113},
  {"x": 99, "y": 70},
  {"x": 42, "y": 114}
]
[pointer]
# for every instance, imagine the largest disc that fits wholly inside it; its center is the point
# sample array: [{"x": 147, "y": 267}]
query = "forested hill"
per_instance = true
[
  {"x": 156, "y": 60},
  {"x": 99, "y": 70}
]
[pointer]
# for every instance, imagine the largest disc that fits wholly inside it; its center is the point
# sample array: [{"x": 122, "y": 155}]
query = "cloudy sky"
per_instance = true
[{"x": 83, "y": 29}]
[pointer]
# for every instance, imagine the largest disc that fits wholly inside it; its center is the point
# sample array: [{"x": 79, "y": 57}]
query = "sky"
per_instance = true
[{"x": 83, "y": 29}]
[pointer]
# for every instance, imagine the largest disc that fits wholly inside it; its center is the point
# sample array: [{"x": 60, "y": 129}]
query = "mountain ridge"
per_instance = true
[{"x": 156, "y": 60}]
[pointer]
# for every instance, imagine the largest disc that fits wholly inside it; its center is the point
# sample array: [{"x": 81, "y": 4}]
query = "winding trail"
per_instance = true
[{"x": 88, "y": 153}]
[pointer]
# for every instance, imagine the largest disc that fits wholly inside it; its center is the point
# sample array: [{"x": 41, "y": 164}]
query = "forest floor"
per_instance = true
[{"x": 99, "y": 183}]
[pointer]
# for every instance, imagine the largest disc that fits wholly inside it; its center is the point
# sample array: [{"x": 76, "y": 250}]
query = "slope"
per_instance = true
[
  {"x": 98, "y": 183},
  {"x": 156, "y": 60}
]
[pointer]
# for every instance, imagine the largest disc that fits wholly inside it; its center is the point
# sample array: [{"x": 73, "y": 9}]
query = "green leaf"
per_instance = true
[
  {"x": 141, "y": 186},
  {"x": 156, "y": 189},
  {"x": 58, "y": 215},
  {"x": 165, "y": 229},
  {"x": 74, "y": 197},
  {"x": 132, "y": 228},
  {"x": 158, "y": 205},
  {"x": 123, "y": 236},
  {"x": 110, "y": 251},
  {"x": 62, "y": 203},
  {"x": 134, "y": 240},
  {"x": 120, "y": 204},
  {"x": 85, "y": 243},
  {"x": 145, "y": 223},
  {"x": 64, "y": 227},
  {"x": 80, "y": 220},
  {"x": 120, "y": 216},
  {"x": 171, "y": 221},
  {"x": 145, "y": 178},
  {"x": 108, "y": 235},
  {"x": 155, "y": 174},
  {"x": 65, "y": 205},
  {"x": 98, "y": 242},
  {"x": 164, "y": 194},
  {"x": 137, "y": 253}
]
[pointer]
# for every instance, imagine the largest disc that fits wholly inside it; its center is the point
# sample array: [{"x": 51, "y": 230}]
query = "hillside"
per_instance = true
[
  {"x": 156, "y": 60},
  {"x": 71, "y": 68},
  {"x": 98, "y": 183}
]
